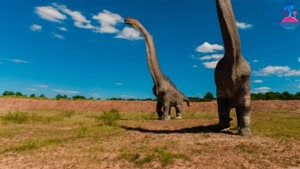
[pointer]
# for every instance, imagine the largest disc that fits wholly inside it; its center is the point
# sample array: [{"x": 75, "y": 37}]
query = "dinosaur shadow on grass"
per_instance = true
[{"x": 214, "y": 128}]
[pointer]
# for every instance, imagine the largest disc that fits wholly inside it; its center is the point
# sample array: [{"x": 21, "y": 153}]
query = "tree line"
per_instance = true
[{"x": 207, "y": 97}]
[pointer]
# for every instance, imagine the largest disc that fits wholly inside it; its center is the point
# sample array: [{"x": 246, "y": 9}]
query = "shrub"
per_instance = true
[
  {"x": 16, "y": 117},
  {"x": 111, "y": 118}
]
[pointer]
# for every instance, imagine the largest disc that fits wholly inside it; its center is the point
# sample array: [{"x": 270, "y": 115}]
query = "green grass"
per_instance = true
[
  {"x": 144, "y": 155},
  {"x": 67, "y": 114},
  {"x": 277, "y": 125},
  {"x": 33, "y": 145},
  {"x": 244, "y": 148},
  {"x": 15, "y": 117},
  {"x": 109, "y": 118}
]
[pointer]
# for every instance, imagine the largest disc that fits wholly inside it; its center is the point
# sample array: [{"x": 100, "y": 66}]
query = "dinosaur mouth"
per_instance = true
[{"x": 127, "y": 21}]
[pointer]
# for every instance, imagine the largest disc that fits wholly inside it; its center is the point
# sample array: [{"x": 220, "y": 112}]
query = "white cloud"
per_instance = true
[
  {"x": 299, "y": 59},
  {"x": 195, "y": 66},
  {"x": 64, "y": 29},
  {"x": 214, "y": 56},
  {"x": 210, "y": 65},
  {"x": 243, "y": 25},
  {"x": 258, "y": 81},
  {"x": 61, "y": 91},
  {"x": 129, "y": 34},
  {"x": 17, "y": 61},
  {"x": 108, "y": 21},
  {"x": 262, "y": 89},
  {"x": 36, "y": 28},
  {"x": 209, "y": 48},
  {"x": 58, "y": 36},
  {"x": 49, "y": 13},
  {"x": 80, "y": 21},
  {"x": 118, "y": 84},
  {"x": 255, "y": 61},
  {"x": 30, "y": 89},
  {"x": 280, "y": 71},
  {"x": 43, "y": 86}
]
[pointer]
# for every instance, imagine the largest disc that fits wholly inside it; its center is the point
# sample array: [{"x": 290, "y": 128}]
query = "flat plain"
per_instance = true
[{"x": 126, "y": 134}]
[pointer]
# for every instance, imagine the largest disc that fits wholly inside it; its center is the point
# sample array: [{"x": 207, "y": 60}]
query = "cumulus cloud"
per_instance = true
[
  {"x": 129, "y": 34},
  {"x": 262, "y": 90},
  {"x": 243, "y": 25},
  {"x": 258, "y": 81},
  {"x": 36, "y": 28},
  {"x": 107, "y": 21},
  {"x": 255, "y": 61},
  {"x": 210, "y": 65},
  {"x": 64, "y": 29},
  {"x": 61, "y": 91},
  {"x": 209, "y": 48},
  {"x": 58, "y": 36},
  {"x": 214, "y": 56},
  {"x": 80, "y": 21},
  {"x": 280, "y": 71},
  {"x": 50, "y": 13}
]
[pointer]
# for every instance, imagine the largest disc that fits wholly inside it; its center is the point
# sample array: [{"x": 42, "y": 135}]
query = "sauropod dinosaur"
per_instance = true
[
  {"x": 165, "y": 91},
  {"x": 232, "y": 74}
]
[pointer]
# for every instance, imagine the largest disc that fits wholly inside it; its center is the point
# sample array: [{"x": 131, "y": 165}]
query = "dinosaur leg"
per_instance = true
[
  {"x": 166, "y": 111},
  {"x": 244, "y": 116},
  {"x": 178, "y": 112},
  {"x": 159, "y": 111},
  {"x": 224, "y": 113}
]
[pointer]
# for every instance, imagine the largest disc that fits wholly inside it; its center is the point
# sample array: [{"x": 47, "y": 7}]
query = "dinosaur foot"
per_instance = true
[
  {"x": 246, "y": 131},
  {"x": 165, "y": 118},
  {"x": 178, "y": 117}
]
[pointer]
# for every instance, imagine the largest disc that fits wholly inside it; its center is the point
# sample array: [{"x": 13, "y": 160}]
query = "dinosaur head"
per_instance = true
[{"x": 133, "y": 22}]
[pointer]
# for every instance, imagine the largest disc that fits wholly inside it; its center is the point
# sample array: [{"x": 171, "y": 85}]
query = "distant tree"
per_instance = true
[
  {"x": 297, "y": 96},
  {"x": 208, "y": 96},
  {"x": 32, "y": 96},
  {"x": 42, "y": 96},
  {"x": 8, "y": 93},
  {"x": 288, "y": 96},
  {"x": 19, "y": 94},
  {"x": 78, "y": 97},
  {"x": 58, "y": 97}
]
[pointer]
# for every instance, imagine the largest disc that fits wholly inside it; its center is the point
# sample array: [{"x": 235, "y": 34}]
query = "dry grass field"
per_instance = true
[{"x": 126, "y": 134}]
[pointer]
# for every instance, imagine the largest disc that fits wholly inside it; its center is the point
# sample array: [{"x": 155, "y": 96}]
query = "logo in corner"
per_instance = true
[{"x": 290, "y": 20}]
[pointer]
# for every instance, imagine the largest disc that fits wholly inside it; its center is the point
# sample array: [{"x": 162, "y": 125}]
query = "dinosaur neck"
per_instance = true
[
  {"x": 151, "y": 56},
  {"x": 229, "y": 30}
]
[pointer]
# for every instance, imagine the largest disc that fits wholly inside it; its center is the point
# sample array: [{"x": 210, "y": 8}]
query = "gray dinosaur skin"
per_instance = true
[
  {"x": 232, "y": 74},
  {"x": 166, "y": 93}
]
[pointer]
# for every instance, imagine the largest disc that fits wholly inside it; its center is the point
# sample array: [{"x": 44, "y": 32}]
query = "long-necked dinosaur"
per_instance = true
[
  {"x": 166, "y": 93},
  {"x": 232, "y": 74}
]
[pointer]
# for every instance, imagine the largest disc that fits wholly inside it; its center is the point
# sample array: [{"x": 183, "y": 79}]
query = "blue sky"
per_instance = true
[{"x": 80, "y": 47}]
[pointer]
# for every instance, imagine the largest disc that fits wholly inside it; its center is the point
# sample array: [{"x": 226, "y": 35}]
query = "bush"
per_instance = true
[
  {"x": 16, "y": 117},
  {"x": 111, "y": 118}
]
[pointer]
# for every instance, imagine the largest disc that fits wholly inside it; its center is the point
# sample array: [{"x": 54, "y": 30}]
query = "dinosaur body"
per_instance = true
[
  {"x": 166, "y": 93},
  {"x": 232, "y": 74}
]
